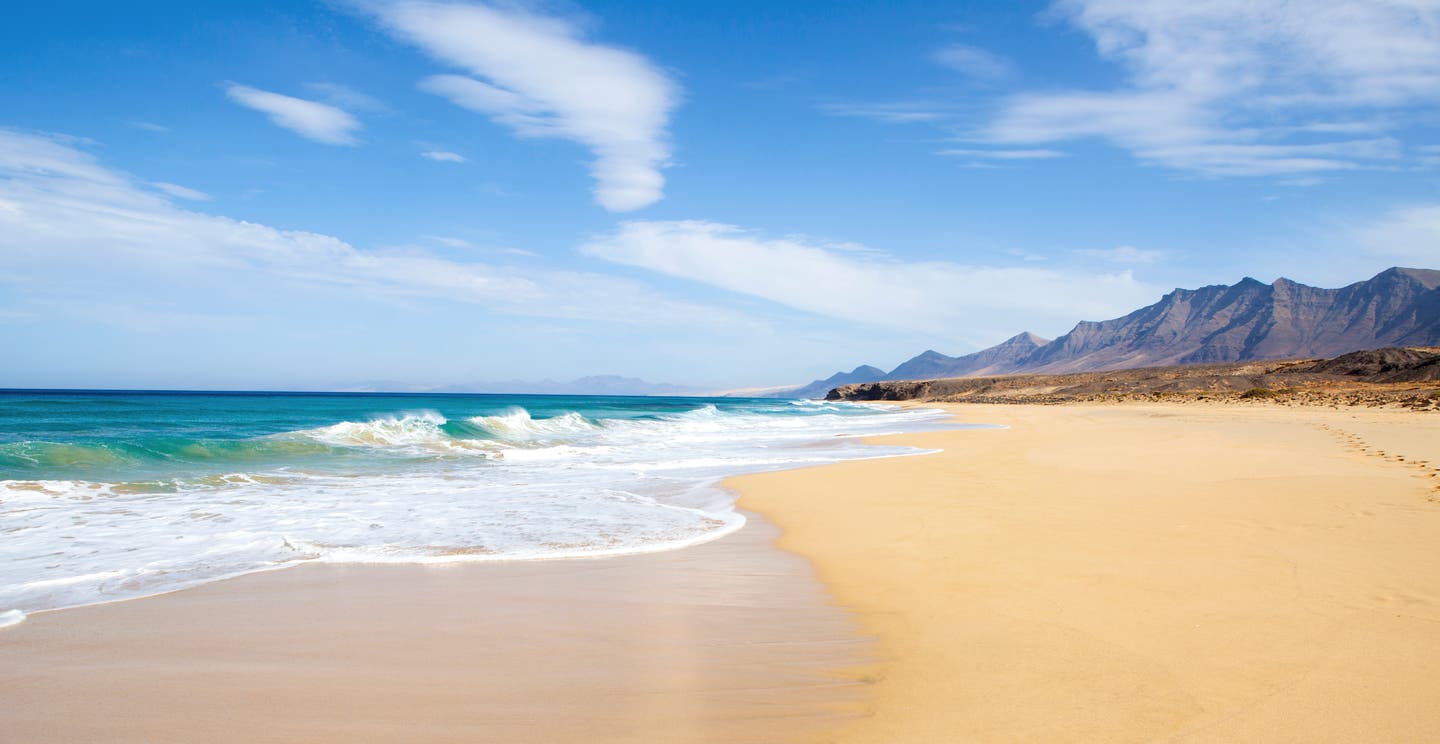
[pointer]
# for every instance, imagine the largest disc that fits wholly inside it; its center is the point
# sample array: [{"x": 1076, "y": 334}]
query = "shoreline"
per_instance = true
[
  {"x": 1210, "y": 573},
  {"x": 730, "y": 640}
]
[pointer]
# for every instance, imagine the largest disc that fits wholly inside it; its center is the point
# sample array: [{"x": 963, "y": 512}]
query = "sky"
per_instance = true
[{"x": 401, "y": 195}]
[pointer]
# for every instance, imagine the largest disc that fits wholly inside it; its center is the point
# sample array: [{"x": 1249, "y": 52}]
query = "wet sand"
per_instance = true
[
  {"x": 730, "y": 641},
  {"x": 1119, "y": 573}
]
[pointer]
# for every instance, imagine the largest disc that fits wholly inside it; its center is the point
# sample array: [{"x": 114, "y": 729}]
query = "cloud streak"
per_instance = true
[
  {"x": 1409, "y": 233},
  {"x": 1240, "y": 87},
  {"x": 443, "y": 156},
  {"x": 979, "y": 303},
  {"x": 539, "y": 77},
  {"x": 976, "y": 63},
  {"x": 95, "y": 232},
  {"x": 310, "y": 119},
  {"x": 181, "y": 192}
]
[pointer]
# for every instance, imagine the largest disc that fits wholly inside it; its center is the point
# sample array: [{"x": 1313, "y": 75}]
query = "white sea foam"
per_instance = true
[
  {"x": 11, "y": 617},
  {"x": 553, "y": 487},
  {"x": 518, "y": 426},
  {"x": 415, "y": 428}
]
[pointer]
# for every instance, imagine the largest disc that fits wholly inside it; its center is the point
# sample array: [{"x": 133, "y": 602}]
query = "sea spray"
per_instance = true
[{"x": 113, "y": 497}]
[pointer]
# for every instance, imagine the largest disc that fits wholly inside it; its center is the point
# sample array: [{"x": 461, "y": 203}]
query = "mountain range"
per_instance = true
[{"x": 1249, "y": 320}]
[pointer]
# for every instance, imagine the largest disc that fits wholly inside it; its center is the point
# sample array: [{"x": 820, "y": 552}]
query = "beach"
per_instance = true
[
  {"x": 730, "y": 641},
  {"x": 1118, "y": 572},
  {"x": 1133, "y": 572}
]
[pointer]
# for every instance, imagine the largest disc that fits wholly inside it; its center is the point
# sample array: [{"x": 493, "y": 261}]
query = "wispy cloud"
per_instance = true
[
  {"x": 97, "y": 232},
  {"x": 976, "y": 63},
  {"x": 895, "y": 112},
  {"x": 868, "y": 286},
  {"x": 540, "y": 77},
  {"x": 181, "y": 192},
  {"x": 345, "y": 97},
  {"x": 1224, "y": 88},
  {"x": 1124, "y": 254},
  {"x": 150, "y": 126},
  {"x": 443, "y": 156},
  {"x": 310, "y": 119},
  {"x": 1002, "y": 154},
  {"x": 1409, "y": 233}
]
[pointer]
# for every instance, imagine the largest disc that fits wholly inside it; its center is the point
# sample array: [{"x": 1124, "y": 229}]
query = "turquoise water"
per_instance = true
[
  {"x": 135, "y": 436},
  {"x": 109, "y": 496}
]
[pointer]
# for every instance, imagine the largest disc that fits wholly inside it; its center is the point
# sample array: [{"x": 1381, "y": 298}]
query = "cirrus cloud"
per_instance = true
[
  {"x": 867, "y": 286},
  {"x": 310, "y": 119},
  {"x": 538, "y": 76},
  {"x": 72, "y": 225},
  {"x": 1240, "y": 87}
]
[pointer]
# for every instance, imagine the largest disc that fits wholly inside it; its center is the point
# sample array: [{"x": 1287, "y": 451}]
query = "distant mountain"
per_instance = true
[
  {"x": 997, "y": 359},
  {"x": 592, "y": 385},
  {"x": 818, "y": 388},
  {"x": 1246, "y": 321}
]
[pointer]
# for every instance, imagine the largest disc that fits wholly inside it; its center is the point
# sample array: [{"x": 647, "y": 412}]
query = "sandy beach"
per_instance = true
[
  {"x": 1138, "y": 573},
  {"x": 729, "y": 641},
  {"x": 1112, "y": 573}
]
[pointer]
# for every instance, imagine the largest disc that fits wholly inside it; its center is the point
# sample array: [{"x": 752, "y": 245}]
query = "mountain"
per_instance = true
[
  {"x": 592, "y": 385},
  {"x": 1249, "y": 320},
  {"x": 995, "y": 360},
  {"x": 818, "y": 388},
  {"x": 1253, "y": 320}
]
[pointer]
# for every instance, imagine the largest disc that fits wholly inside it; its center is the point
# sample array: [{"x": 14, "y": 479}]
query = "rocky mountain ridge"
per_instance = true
[{"x": 1246, "y": 321}]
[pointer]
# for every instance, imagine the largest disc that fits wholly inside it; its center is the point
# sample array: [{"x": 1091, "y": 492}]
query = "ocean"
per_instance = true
[{"x": 115, "y": 495}]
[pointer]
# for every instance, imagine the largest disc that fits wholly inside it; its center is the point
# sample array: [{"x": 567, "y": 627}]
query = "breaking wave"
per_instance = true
[{"x": 135, "y": 513}]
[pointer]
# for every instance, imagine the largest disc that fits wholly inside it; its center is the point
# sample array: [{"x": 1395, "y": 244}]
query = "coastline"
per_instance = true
[
  {"x": 1136, "y": 572},
  {"x": 1207, "y": 573},
  {"x": 732, "y": 640}
]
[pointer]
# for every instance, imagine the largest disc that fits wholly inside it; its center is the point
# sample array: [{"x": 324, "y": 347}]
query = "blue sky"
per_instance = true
[{"x": 401, "y": 194}]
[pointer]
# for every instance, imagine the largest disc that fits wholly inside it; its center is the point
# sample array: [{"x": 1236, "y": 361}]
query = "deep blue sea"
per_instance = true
[{"x": 115, "y": 495}]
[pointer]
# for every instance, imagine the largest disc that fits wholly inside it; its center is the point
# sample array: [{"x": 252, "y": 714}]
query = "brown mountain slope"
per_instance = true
[
  {"x": 1385, "y": 376},
  {"x": 1252, "y": 320}
]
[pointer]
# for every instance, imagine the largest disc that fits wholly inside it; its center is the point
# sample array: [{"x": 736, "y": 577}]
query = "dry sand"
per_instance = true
[
  {"x": 1138, "y": 573},
  {"x": 724, "y": 642}
]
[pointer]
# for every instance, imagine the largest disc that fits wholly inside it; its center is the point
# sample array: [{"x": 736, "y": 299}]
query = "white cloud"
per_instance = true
[
  {"x": 1222, "y": 87},
  {"x": 541, "y": 78},
  {"x": 974, "y": 62},
  {"x": 95, "y": 232},
  {"x": 898, "y": 112},
  {"x": 1410, "y": 234},
  {"x": 1125, "y": 254},
  {"x": 310, "y": 119},
  {"x": 1030, "y": 154},
  {"x": 151, "y": 127},
  {"x": 345, "y": 97},
  {"x": 870, "y": 287},
  {"x": 181, "y": 192},
  {"x": 443, "y": 156}
]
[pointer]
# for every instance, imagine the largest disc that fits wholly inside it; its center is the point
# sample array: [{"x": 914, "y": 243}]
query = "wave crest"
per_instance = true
[
  {"x": 409, "y": 429},
  {"x": 518, "y": 426}
]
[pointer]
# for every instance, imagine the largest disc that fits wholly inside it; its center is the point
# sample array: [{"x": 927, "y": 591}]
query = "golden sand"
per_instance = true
[
  {"x": 723, "y": 642},
  {"x": 1138, "y": 573}
]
